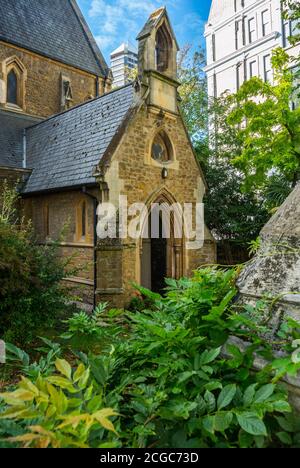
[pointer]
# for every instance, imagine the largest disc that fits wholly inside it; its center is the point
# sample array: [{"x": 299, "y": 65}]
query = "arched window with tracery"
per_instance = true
[
  {"x": 163, "y": 49},
  {"x": 15, "y": 76},
  {"x": 162, "y": 150}
]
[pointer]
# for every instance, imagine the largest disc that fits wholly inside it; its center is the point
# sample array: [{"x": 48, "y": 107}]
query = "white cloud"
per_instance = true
[
  {"x": 116, "y": 21},
  {"x": 104, "y": 41},
  {"x": 119, "y": 20}
]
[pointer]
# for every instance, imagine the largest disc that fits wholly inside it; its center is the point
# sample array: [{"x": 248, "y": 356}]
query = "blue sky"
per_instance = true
[{"x": 115, "y": 21}]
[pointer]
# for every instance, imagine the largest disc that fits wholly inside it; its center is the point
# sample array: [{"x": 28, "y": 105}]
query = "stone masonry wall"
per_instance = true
[
  {"x": 63, "y": 216},
  {"x": 43, "y": 85},
  {"x": 133, "y": 173}
]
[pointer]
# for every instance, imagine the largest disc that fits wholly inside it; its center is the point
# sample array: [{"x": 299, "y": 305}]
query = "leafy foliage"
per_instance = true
[
  {"x": 291, "y": 11},
  {"x": 31, "y": 292},
  {"x": 85, "y": 331},
  {"x": 170, "y": 379},
  {"x": 231, "y": 214},
  {"x": 270, "y": 139},
  {"x": 59, "y": 411},
  {"x": 19, "y": 359},
  {"x": 193, "y": 91}
]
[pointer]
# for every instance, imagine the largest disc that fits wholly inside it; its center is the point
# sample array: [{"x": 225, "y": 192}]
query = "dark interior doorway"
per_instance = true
[
  {"x": 154, "y": 259},
  {"x": 158, "y": 264}
]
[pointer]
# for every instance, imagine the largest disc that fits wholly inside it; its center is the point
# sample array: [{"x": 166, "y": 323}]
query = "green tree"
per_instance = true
[
  {"x": 193, "y": 91},
  {"x": 268, "y": 126},
  {"x": 231, "y": 214},
  {"x": 291, "y": 11}
]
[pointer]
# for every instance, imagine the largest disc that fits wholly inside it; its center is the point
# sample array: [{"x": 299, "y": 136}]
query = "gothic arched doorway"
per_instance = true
[{"x": 161, "y": 248}]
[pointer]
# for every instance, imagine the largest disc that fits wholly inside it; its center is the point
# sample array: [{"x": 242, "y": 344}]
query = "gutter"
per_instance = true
[{"x": 95, "y": 203}]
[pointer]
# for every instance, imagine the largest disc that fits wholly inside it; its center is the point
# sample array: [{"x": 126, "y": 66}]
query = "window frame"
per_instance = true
[
  {"x": 266, "y": 69},
  {"x": 165, "y": 139},
  {"x": 251, "y": 33},
  {"x": 82, "y": 214},
  {"x": 14, "y": 64},
  {"x": 264, "y": 23},
  {"x": 172, "y": 163},
  {"x": 252, "y": 63}
]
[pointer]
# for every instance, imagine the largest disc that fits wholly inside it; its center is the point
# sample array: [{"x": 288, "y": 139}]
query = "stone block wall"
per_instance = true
[
  {"x": 43, "y": 82},
  {"x": 133, "y": 173},
  {"x": 63, "y": 220}
]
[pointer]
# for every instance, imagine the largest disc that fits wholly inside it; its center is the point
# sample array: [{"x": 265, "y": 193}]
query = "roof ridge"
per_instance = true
[
  {"x": 54, "y": 29},
  {"x": 90, "y": 38},
  {"x": 97, "y": 98}
]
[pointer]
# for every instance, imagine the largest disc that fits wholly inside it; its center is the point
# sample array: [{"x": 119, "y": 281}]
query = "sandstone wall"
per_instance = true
[{"x": 43, "y": 82}]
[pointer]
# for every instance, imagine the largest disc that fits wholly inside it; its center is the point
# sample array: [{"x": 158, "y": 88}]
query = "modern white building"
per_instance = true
[
  {"x": 240, "y": 37},
  {"x": 124, "y": 58}
]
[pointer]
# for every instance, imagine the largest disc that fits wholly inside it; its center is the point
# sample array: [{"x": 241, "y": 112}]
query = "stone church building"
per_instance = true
[{"x": 75, "y": 143}]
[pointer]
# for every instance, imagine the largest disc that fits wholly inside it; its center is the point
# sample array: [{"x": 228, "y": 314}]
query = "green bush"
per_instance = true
[
  {"x": 59, "y": 411},
  {"x": 167, "y": 373},
  {"x": 93, "y": 331},
  {"x": 31, "y": 292},
  {"x": 173, "y": 384}
]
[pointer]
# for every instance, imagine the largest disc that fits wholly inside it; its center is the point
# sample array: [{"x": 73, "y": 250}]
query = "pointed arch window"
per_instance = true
[
  {"x": 15, "y": 75},
  {"x": 12, "y": 87},
  {"x": 163, "y": 49},
  {"x": 82, "y": 222},
  {"x": 162, "y": 149}
]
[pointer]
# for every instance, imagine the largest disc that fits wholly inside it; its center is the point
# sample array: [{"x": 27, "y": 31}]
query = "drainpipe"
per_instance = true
[
  {"x": 95, "y": 204},
  {"x": 24, "y": 149}
]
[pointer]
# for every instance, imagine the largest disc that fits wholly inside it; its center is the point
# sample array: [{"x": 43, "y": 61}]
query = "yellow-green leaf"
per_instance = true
[
  {"x": 78, "y": 373},
  {"x": 18, "y": 397},
  {"x": 84, "y": 379},
  {"x": 63, "y": 367},
  {"x": 28, "y": 385},
  {"x": 102, "y": 417},
  {"x": 62, "y": 383},
  {"x": 73, "y": 420},
  {"x": 13, "y": 413},
  {"x": 24, "y": 438}
]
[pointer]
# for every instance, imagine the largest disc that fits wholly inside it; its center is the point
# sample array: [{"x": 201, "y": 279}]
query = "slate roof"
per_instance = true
[
  {"x": 64, "y": 150},
  {"x": 53, "y": 28},
  {"x": 11, "y": 137}
]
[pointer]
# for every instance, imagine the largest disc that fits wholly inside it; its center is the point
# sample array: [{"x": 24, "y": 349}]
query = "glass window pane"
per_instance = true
[
  {"x": 12, "y": 88},
  {"x": 161, "y": 148},
  {"x": 83, "y": 219},
  {"x": 251, "y": 26},
  {"x": 265, "y": 23},
  {"x": 267, "y": 69}
]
